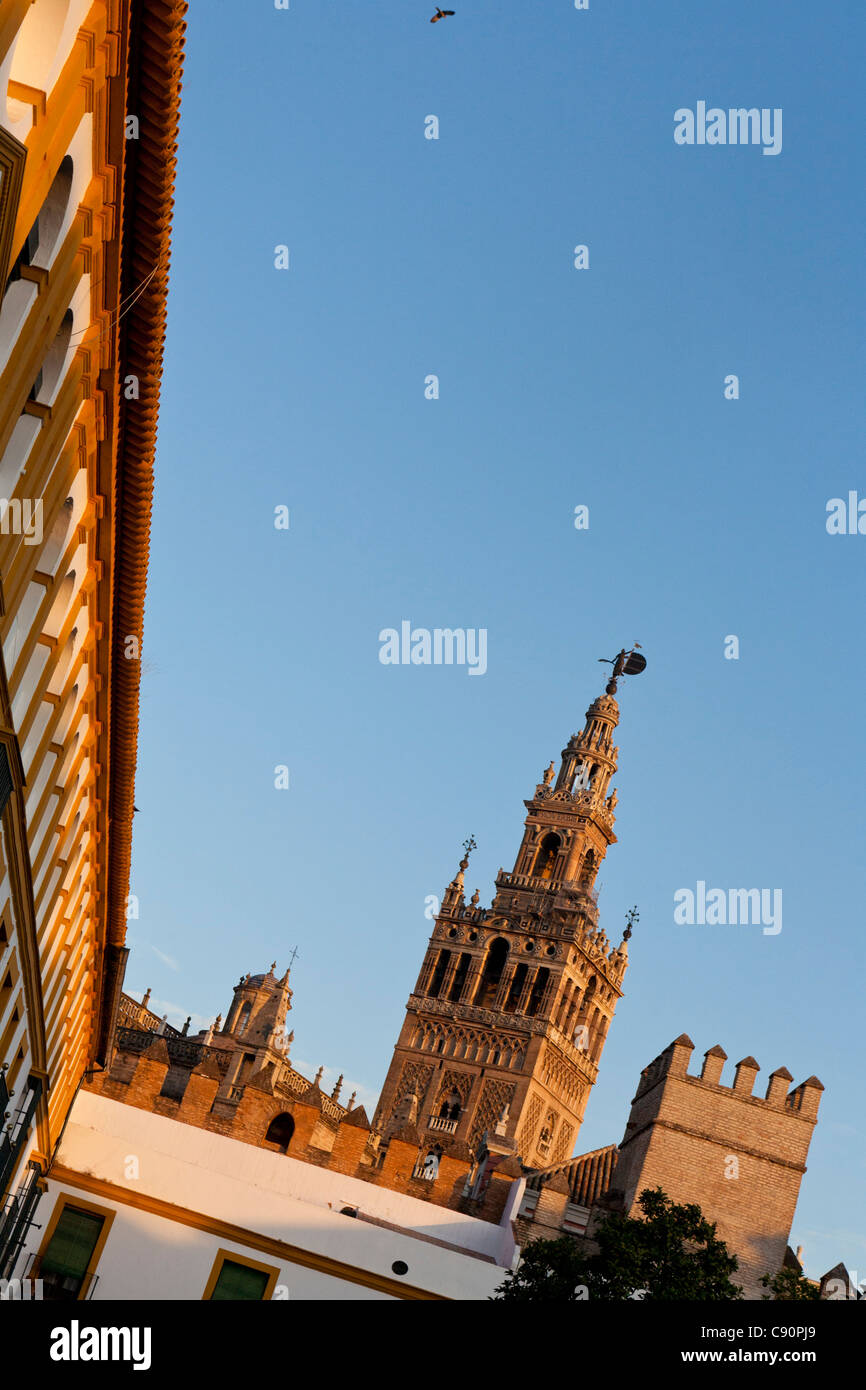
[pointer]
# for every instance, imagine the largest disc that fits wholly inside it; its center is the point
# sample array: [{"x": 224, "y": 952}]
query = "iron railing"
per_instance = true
[{"x": 17, "y": 1218}]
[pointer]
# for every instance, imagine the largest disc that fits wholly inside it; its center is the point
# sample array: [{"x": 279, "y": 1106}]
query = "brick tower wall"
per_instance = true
[{"x": 739, "y": 1157}]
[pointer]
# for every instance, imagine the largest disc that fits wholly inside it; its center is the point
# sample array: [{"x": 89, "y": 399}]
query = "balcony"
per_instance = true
[
  {"x": 16, "y": 1218},
  {"x": 443, "y": 1125},
  {"x": 17, "y": 1130}
]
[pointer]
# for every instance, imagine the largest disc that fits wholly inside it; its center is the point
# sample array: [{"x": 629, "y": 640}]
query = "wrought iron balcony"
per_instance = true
[
  {"x": 16, "y": 1217},
  {"x": 16, "y": 1131}
]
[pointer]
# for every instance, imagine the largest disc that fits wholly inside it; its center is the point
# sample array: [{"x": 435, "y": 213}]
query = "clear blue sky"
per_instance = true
[{"x": 558, "y": 387}]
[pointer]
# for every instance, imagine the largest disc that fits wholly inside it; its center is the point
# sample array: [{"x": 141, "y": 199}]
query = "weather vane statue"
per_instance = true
[
  {"x": 624, "y": 664},
  {"x": 468, "y": 846}
]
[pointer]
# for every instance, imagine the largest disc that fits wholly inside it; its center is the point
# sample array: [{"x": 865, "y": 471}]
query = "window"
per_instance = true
[
  {"x": 52, "y": 215},
  {"x": 450, "y": 1107},
  {"x": 236, "y": 1277},
  {"x": 460, "y": 975},
  {"x": 537, "y": 994},
  {"x": 516, "y": 989},
  {"x": 494, "y": 965},
  {"x": 243, "y": 1019},
  {"x": 49, "y": 378},
  {"x": 74, "y": 1242},
  {"x": 439, "y": 973},
  {"x": 280, "y": 1131},
  {"x": 547, "y": 852}
]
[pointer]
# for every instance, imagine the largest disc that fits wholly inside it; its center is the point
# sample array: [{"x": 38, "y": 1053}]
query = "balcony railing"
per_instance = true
[
  {"x": 574, "y": 887},
  {"x": 17, "y": 1130},
  {"x": 16, "y": 1218},
  {"x": 182, "y": 1052},
  {"x": 58, "y": 1288},
  {"x": 443, "y": 1125}
]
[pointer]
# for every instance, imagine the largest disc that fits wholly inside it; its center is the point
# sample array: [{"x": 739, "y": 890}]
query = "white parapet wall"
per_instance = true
[{"x": 180, "y": 1194}]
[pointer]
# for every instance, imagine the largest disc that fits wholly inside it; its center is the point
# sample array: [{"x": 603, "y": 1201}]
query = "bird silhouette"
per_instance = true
[{"x": 440, "y": 14}]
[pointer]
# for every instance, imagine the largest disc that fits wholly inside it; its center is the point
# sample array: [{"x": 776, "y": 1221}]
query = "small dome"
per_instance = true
[{"x": 257, "y": 981}]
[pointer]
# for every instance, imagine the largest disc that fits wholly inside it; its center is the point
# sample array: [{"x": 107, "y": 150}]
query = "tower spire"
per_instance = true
[
  {"x": 454, "y": 891},
  {"x": 507, "y": 1022}
]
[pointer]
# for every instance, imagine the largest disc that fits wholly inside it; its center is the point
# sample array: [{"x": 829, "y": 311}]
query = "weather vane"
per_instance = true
[
  {"x": 468, "y": 846},
  {"x": 631, "y": 922},
  {"x": 624, "y": 664}
]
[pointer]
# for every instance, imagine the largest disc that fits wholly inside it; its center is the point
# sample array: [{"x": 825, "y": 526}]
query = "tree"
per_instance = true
[
  {"x": 789, "y": 1285},
  {"x": 552, "y": 1270},
  {"x": 669, "y": 1253}
]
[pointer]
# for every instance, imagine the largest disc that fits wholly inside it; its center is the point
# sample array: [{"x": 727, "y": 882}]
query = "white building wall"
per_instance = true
[{"x": 149, "y": 1255}]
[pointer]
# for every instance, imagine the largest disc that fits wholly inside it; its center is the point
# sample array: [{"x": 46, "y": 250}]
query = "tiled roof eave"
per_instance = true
[{"x": 156, "y": 41}]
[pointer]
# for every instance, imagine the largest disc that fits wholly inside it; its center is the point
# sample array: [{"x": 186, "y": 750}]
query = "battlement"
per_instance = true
[
  {"x": 802, "y": 1100},
  {"x": 269, "y": 1114},
  {"x": 740, "y": 1157}
]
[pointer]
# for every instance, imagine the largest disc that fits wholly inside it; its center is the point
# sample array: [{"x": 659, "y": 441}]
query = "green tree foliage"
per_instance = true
[
  {"x": 669, "y": 1253},
  {"x": 788, "y": 1285}
]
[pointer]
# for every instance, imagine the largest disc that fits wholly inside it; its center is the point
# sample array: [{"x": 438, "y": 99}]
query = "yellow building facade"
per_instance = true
[{"x": 89, "y": 101}]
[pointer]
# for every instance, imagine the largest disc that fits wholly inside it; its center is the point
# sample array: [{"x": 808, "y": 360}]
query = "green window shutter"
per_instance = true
[
  {"x": 65, "y": 1262},
  {"x": 239, "y": 1281}
]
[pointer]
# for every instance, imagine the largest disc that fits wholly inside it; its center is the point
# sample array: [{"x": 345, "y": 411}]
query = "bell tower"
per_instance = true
[
  {"x": 255, "y": 1028},
  {"x": 505, "y": 1027}
]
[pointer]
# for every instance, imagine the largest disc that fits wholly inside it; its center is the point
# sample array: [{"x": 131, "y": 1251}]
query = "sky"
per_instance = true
[{"x": 308, "y": 388}]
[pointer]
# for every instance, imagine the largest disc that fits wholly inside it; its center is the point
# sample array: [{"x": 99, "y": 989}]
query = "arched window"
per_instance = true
[
  {"x": 52, "y": 215},
  {"x": 427, "y": 1165},
  {"x": 243, "y": 1018},
  {"x": 545, "y": 1138},
  {"x": 450, "y": 1107},
  {"x": 280, "y": 1131},
  {"x": 587, "y": 868},
  {"x": 546, "y": 856},
  {"x": 571, "y": 1012},
  {"x": 460, "y": 976},
  {"x": 431, "y": 1164},
  {"x": 48, "y": 381},
  {"x": 494, "y": 965},
  {"x": 515, "y": 989},
  {"x": 439, "y": 973},
  {"x": 534, "y": 1001}
]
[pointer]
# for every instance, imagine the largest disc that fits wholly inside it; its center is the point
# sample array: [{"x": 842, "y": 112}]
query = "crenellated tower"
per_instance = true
[{"x": 506, "y": 1025}]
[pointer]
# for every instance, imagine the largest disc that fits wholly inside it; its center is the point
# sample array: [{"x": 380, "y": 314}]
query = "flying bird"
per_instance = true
[{"x": 440, "y": 14}]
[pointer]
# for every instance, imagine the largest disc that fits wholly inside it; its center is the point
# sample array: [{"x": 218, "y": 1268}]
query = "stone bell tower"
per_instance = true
[
  {"x": 505, "y": 1027},
  {"x": 255, "y": 1028}
]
